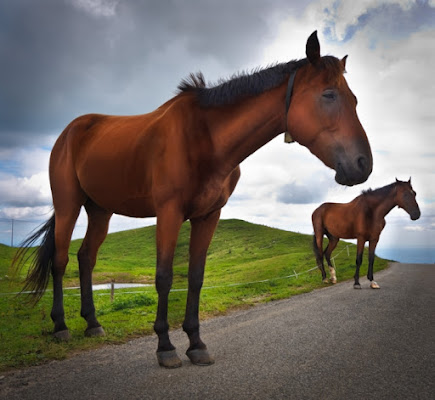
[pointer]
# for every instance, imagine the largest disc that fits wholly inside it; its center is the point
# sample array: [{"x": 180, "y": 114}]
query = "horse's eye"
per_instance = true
[{"x": 329, "y": 95}]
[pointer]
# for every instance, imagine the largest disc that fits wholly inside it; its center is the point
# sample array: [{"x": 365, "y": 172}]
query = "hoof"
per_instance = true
[
  {"x": 326, "y": 280},
  {"x": 94, "y": 332},
  {"x": 200, "y": 357},
  {"x": 357, "y": 286},
  {"x": 63, "y": 336},
  {"x": 334, "y": 280},
  {"x": 168, "y": 359},
  {"x": 374, "y": 285}
]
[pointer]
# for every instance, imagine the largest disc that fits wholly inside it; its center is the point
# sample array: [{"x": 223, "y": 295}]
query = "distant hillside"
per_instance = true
[{"x": 244, "y": 250}]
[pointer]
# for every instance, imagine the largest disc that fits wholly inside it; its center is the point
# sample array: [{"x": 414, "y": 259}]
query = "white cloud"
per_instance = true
[
  {"x": 97, "y": 8},
  {"x": 30, "y": 191},
  {"x": 340, "y": 15}
]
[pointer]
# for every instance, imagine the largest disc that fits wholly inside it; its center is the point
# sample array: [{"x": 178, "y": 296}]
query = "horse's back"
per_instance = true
[
  {"x": 336, "y": 218},
  {"x": 109, "y": 158},
  {"x": 131, "y": 165}
]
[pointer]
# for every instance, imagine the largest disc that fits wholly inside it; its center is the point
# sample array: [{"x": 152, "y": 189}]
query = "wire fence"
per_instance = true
[
  {"x": 229, "y": 285},
  {"x": 14, "y": 231}
]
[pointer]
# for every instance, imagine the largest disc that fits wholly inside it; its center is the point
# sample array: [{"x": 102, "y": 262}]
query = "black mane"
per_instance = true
[
  {"x": 240, "y": 85},
  {"x": 244, "y": 84},
  {"x": 383, "y": 191}
]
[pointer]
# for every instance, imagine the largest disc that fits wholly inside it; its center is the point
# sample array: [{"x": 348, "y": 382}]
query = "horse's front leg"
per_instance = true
[
  {"x": 372, "y": 247},
  {"x": 169, "y": 222},
  {"x": 359, "y": 256},
  {"x": 202, "y": 230}
]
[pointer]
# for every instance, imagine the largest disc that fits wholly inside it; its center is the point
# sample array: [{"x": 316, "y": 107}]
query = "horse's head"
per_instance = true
[
  {"x": 322, "y": 117},
  {"x": 405, "y": 198}
]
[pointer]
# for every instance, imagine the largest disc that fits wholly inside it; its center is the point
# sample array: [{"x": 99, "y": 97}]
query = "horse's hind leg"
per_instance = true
[
  {"x": 333, "y": 241},
  {"x": 318, "y": 249},
  {"x": 359, "y": 256},
  {"x": 98, "y": 224},
  {"x": 372, "y": 247},
  {"x": 202, "y": 230}
]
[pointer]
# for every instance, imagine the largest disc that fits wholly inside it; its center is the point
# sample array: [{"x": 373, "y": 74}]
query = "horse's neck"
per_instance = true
[
  {"x": 239, "y": 130},
  {"x": 386, "y": 204}
]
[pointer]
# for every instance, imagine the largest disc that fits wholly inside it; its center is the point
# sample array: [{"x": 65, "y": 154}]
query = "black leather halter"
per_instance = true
[{"x": 288, "y": 97}]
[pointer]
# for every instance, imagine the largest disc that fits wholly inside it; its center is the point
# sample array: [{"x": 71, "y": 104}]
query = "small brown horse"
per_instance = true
[
  {"x": 361, "y": 219},
  {"x": 181, "y": 162}
]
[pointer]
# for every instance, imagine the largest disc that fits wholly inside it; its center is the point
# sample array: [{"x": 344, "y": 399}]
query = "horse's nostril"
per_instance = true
[{"x": 362, "y": 164}]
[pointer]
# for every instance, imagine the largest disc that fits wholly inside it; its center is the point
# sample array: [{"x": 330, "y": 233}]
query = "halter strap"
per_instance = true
[{"x": 288, "y": 98}]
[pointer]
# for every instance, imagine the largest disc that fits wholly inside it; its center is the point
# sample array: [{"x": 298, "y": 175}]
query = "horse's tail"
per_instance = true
[
  {"x": 42, "y": 259},
  {"x": 316, "y": 248}
]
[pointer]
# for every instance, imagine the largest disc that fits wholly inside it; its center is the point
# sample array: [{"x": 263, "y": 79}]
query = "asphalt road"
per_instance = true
[{"x": 333, "y": 343}]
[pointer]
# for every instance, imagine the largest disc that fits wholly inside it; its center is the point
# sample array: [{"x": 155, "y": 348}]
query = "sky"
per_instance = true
[{"x": 64, "y": 58}]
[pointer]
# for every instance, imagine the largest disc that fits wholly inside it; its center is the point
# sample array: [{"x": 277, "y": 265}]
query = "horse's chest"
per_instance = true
[
  {"x": 212, "y": 194},
  {"x": 374, "y": 227},
  {"x": 206, "y": 200}
]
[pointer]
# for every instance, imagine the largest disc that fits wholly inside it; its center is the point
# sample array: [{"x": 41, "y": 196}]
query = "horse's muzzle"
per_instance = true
[
  {"x": 354, "y": 172},
  {"x": 415, "y": 215}
]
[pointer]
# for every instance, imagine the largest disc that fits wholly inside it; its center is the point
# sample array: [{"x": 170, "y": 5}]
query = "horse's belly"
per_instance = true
[
  {"x": 136, "y": 207},
  {"x": 118, "y": 199}
]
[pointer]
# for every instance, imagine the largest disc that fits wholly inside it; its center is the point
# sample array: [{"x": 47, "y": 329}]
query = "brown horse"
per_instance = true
[
  {"x": 361, "y": 219},
  {"x": 181, "y": 162}
]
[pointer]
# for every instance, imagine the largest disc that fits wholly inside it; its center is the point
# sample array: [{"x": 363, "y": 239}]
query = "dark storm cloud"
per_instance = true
[{"x": 63, "y": 58}]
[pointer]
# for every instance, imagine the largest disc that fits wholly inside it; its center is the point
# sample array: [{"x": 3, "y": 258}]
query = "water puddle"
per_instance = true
[{"x": 107, "y": 286}]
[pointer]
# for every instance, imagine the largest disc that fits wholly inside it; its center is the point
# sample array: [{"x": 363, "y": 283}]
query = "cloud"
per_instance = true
[
  {"x": 294, "y": 193},
  {"x": 97, "y": 8},
  {"x": 344, "y": 18},
  {"x": 61, "y": 59},
  {"x": 25, "y": 192}
]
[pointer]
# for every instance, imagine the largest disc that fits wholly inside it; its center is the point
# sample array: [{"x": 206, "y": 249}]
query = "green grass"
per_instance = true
[{"x": 241, "y": 254}]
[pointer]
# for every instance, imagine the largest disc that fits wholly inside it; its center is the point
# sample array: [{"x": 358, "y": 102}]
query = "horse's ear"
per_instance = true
[
  {"x": 409, "y": 181},
  {"x": 343, "y": 61},
  {"x": 397, "y": 180},
  {"x": 313, "y": 48}
]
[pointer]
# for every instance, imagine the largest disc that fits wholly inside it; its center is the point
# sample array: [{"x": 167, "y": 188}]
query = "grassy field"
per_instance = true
[{"x": 241, "y": 255}]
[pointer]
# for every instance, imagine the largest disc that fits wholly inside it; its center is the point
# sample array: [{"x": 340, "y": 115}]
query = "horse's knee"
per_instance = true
[
  {"x": 163, "y": 281},
  {"x": 196, "y": 279}
]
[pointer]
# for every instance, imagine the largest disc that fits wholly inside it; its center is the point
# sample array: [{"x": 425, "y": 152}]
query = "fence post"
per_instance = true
[
  {"x": 12, "y": 233},
  {"x": 112, "y": 290}
]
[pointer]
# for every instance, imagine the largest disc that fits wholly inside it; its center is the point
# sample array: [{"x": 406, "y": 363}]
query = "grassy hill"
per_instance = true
[{"x": 240, "y": 256}]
